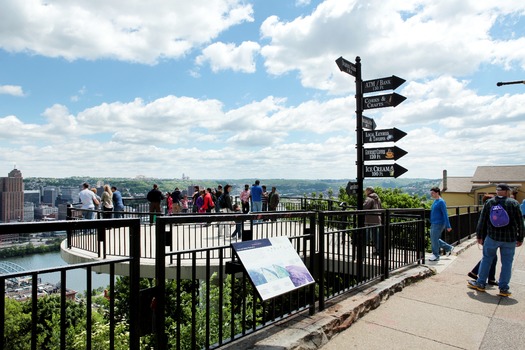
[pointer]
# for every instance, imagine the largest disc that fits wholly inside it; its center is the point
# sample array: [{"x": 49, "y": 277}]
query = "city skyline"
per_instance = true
[{"x": 250, "y": 89}]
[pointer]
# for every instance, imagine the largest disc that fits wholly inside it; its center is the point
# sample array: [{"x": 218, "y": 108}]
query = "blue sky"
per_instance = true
[{"x": 250, "y": 89}]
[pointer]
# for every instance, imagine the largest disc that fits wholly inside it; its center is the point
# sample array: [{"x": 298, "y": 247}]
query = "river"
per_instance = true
[{"x": 75, "y": 279}]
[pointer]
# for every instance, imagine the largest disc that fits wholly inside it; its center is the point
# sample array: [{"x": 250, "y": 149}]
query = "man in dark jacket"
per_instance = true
[
  {"x": 372, "y": 201},
  {"x": 154, "y": 197},
  {"x": 492, "y": 236},
  {"x": 176, "y": 196}
]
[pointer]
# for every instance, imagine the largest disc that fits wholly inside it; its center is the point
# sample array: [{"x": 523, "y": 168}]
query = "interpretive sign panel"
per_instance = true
[{"x": 273, "y": 266}]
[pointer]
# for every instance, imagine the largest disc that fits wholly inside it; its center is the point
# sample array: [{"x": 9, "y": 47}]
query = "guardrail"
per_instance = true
[
  {"x": 33, "y": 329},
  {"x": 202, "y": 297}
]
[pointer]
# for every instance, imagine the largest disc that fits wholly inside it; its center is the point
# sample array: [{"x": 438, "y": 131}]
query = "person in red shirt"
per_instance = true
[{"x": 208, "y": 201}]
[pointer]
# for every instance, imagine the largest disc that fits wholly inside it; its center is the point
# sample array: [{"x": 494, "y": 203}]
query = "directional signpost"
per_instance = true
[
  {"x": 380, "y": 101},
  {"x": 384, "y": 135},
  {"x": 368, "y": 123},
  {"x": 346, "y": 66},
  {"x": 384, "y": 170},
  {"x": 388, "y": 83},
  {"x": 384, "y": 153},
  {"x": 371, "y": 135}
]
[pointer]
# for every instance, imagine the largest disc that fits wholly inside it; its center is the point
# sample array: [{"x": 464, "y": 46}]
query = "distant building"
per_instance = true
[
  {"x": 463, "y": 190},
  {"x": 50, "y": 195},
  {"x": 70, "y": 194},
  {"x": 29, "y": 211},
  {"x": 12, "y": 197},
  {"x": 46, "y": 213},
  {"x": 33, "y": 196}
]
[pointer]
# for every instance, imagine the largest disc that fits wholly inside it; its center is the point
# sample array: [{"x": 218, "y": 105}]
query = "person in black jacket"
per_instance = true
[{"x": 154, "y": 197}]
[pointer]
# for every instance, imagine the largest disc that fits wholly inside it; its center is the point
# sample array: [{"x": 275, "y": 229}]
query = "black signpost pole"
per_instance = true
[{"x": 359, "y": 132}]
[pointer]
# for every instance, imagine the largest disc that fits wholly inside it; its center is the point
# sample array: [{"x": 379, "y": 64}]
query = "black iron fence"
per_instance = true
[{"x": 202, "y": 297}]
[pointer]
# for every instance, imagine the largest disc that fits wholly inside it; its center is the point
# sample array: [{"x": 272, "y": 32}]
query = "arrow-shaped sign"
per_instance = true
[
  {"x": 384, "y": 135},
  {"x": 346, "y": 66},
  {"x": 384, "y": 170},
  {"x": 379, "y": 101},
  {"x": 383, "y": 153},
  {"x": 388, "y": 83},
  {"x": 368, "y": 123}
]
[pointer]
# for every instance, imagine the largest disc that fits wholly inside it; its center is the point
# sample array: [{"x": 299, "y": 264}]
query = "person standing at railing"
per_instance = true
[
  {"x": 256, "y": 194},
  {"x": 97, "y": 206},
  {"x": 273, "y": 199},
  {"x": 176, "y": 197},
  {"x": 118, "y": 204},
  {"x": 438, "y": 223},
  {"x": 373, "y": 201},
  {"x": 88, "y": 200},
  {"x": 154, "y": 198},
  {"x": 245, "y": 199},
  {"x": 107, "y": 202},
  {"x": 264, "y": 198}
]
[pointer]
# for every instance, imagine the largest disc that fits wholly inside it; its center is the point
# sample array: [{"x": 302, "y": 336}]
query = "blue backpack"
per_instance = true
[{"x": 498, "y": 215}]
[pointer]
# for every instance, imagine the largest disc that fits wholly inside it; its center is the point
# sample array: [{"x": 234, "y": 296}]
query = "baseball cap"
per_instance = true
[{"x": 503, "y": 187}]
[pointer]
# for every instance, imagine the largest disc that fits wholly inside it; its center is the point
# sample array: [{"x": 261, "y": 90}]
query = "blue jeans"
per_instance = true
[
  {"x": 436, "y": 241},
  {"x": 256, "y": 206},
  {"x": 506, "y": 250}
]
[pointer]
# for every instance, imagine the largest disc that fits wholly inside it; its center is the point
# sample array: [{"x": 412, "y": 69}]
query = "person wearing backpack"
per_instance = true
[
  {"x": 438, "y": 223},
  {"x": 500, "y": 226}
]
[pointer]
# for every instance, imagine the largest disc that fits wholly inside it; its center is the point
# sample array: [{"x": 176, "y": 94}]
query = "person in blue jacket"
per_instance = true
[{"x": 438, "y": 223}]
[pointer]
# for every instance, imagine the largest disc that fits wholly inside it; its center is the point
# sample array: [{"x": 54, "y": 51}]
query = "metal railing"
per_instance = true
[
  {"x": 36, "y": 323},
  {"x": 202, "y": 297}
]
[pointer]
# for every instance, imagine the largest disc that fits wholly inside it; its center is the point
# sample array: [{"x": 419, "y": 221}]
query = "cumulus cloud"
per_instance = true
[
  {"x": 134, "y": 30},
  {"x": 223, "y": 56},
  {"x": 12, "y": 90}
]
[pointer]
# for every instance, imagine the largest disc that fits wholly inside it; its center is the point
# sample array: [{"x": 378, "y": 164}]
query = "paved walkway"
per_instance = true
[
  {"x": 442, "y": 313},
  {"x": 425, "y": 307}
]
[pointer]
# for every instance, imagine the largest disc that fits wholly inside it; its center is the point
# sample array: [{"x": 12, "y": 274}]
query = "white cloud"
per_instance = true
[
  {"x": 446, "y": 37},
  {"x": 132, "y": 30},
  {"x": 223, "y": 56},
  {"x": 12, "y": 90}
]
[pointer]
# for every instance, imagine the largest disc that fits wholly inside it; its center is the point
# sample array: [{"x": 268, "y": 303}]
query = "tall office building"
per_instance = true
[
  {"x": 49, "y": 195},
  {"x": 12, "y": 197}
]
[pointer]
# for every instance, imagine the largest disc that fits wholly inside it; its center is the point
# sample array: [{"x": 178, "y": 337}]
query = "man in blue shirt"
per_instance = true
[
  {"x": 438, "y": 223},
  {"x": 256, "y": 195},
  {"x": 118, "y": 205}
]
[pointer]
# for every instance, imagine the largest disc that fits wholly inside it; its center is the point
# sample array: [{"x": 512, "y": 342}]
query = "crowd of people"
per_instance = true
[{"x": 253, "y": 198}]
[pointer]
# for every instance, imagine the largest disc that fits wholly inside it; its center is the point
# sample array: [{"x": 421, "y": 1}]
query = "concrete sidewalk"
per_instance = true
[
  {"x": 442, "y": 313},
  {"x": 425, "y": 307}
]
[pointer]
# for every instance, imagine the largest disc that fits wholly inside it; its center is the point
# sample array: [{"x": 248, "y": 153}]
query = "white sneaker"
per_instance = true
[{"x": 433, "y": 258}]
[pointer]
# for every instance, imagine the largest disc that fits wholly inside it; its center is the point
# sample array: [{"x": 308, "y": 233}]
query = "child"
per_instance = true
[{"x": 184, "y": 204}]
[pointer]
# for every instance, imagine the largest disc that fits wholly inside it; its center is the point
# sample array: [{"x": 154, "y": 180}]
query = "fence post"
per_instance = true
[
  {"x": 160, "y": 285},
  {"x": 134, "y": 276},
  {"x": 320, "y": 260},
  {"x": 387, "y": 240},
  {"x": 313, "y": 244}
]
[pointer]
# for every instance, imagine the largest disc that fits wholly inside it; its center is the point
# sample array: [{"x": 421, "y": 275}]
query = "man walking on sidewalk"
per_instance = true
[
  {"x": 500, "y": 225},
  {"x": 438, "y": 223}
]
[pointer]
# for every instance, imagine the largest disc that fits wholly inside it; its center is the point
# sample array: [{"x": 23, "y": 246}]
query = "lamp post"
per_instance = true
[{"x": 510, "y": 82}]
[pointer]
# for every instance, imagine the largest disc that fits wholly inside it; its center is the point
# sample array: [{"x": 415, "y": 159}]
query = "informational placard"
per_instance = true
[{"x": 273, "y": 266}]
